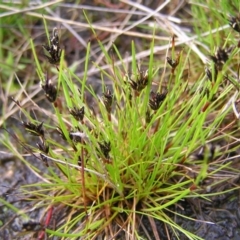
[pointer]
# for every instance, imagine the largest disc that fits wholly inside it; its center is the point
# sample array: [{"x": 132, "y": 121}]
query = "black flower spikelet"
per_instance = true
[
  {"x": 53, "y": 50},
  {"x": 234, "y": 22},
  {"x": 105, "y": 148},
  {"x": 50, "y": 90},
  {"x": 77, "y": 136},
  {"x": 148, "y": 116},
  {"x": 140, "y": 82},
  {"x": 34, "y": 129},
  {"x": 156, "y": 100},
  {"x": 32, "y": 225},
  {"x": 43, "y": 147},
  {"x": 173, "y": 63},
  {"x": 77, "y": 113},
  {"x": 108, "y": 99},
  {"x": 220, "y": 57},
  {"x": 211, "y": 77}
]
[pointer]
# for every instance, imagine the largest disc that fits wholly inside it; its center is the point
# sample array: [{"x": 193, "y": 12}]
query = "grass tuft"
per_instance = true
[{"x": 143, "y": 145}]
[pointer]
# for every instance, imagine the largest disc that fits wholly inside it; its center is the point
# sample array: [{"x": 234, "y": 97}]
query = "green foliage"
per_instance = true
[
  {"x": 135, "y": 154},
  {"x": 146, "y": 157}
]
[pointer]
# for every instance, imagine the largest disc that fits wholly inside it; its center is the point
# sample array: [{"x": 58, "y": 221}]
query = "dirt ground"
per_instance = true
[{"x": 222, "y": 214}]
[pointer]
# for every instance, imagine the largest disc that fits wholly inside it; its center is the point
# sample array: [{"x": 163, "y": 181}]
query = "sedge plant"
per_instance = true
[{"x": 136, "y": 153}]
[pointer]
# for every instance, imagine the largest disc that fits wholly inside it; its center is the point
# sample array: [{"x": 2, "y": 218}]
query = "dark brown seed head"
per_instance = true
[
  {"x": 222, "y": 54},
  {"x": 105, "y": 148},
  {"x": 79, "y": 161},
  {"x": 50, "y": 90},
  {"x": 43, "y": 147},
  {"x": 77, "y": 113},
  {"x": 53, "y": 50},
  {"x": 234, "y": 22},
  {"x": 221, "y": 57},
  {"x": 44, "y": 159},
  {"x": 209, "y": 74},
  {"x": 76, "y": 136},
  {"x": 108, "y": 99},
  {"x": 207, "y": 152},
  {"x": 35, "y": 129},
  {"x": 173, "y": 63},
  {"x": 156, "y": 100},
  {"x": 32, "y": 225},
  {"x": 141, "y": 81},
  {"x": 148, "y": 116}
]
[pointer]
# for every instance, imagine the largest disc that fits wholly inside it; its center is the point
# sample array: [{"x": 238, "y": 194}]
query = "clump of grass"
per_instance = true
[{"x": 137, "y": 154}]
